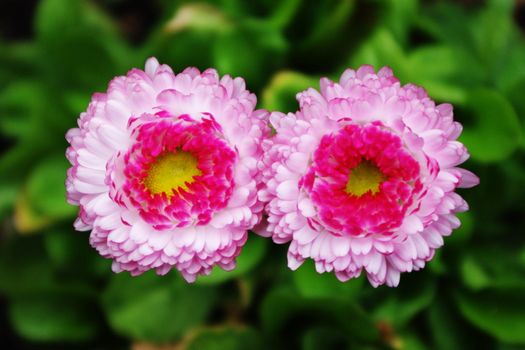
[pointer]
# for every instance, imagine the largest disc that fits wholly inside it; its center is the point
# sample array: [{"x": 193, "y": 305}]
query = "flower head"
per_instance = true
[
  {"x": 362, "y": 177},
  {"x": 164, "y": 169}
]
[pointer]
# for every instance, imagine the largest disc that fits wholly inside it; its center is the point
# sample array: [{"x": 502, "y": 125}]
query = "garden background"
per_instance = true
[{"x": 57, "y": 293}]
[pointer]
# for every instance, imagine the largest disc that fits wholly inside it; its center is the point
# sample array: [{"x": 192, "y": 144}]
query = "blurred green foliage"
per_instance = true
[{"x": 57, "y": 290}]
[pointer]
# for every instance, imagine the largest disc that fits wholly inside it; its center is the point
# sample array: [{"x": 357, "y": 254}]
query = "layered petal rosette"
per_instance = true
[
  {"x": 164, "y": 169},
  {"x": 362, "y": 177}
]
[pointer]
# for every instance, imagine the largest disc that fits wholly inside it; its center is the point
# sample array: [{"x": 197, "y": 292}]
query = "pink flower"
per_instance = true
[
  {"x": 362, "y": 177},
  {"x": 164, "y": 169}
]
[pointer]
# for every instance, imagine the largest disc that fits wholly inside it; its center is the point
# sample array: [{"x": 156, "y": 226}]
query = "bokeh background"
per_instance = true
[{"x": 57, "y": 293}]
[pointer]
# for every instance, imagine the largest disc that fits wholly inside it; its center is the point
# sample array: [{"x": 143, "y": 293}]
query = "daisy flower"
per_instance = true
[
  {"x": 363, "y": 177},
  {"x": 164, "y": 169}
]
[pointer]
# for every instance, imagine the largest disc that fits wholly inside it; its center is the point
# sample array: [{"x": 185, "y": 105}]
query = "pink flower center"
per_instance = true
[
  {"x": 178, "y": 172},
  {"x": 362, "y": 180}
]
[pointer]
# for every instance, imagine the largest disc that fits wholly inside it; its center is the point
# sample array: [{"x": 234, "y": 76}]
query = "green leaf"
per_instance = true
[
  {"x": 512, "y": 70},
  {"x": 70, "y": 253},
  {"x": 231, "y": 338},
  {"x": 281, "y": 309},
  {"x": 26, "y": 111},
  {"x": 8, "y": 193},
  {"x": 46, "y": 188},
  {"x": 315, "y": 29},
  {"x": 496, "y": 55},
  {"x": 324, "y": 338},
  {"x": 382, "y": 49},
  {"x": 280, "y": 94},
  {"x": 188, "y": 37},
  {"x": 437, "y": 264},
  {"x": 515, "y": 95},
  {"x": 251, "y": 254},
  {"x": 462, "y": 234},
  {"x": 501, "y": 271},
  {"x": 18, "y": 112},
  {"x": 399, "y": 16},
  {"x": 18, "y": 61},
  {"x": 455, "y": 33},
  {"x": 496, "y": 132},
  {"x": 437, "y": 61},
  {"x": 320, "y": 34},
  {"x": 473, "y": 275},
  {"x": 414, "y": 294},
  {"x": 155, "y": 308},
  {"x": 315, "y": 285},
  {"x": 444, "y": 72},
  {"x": 53, "y": 16},
  {"x": 445, "y": 326},
  {"x": 79, "y": 44},
  {"x": 329, "y": 20},
  {"x": 521, "y": 257},
  {"x": 26, "y": 219},
  {"x": 198, "y": 16},
  {"x": 499, "y": 313},
  {"x": 26, "y": 270},
  {"x": 503, "y": 346},
  {"x": 251, "y": 50},
  {"x": 53, "y": 319},
  {"x": 492, "y": 45},
  {"x": 185, "y": 48},
  {"x": 284, "y": 12},
  {"x": 411, "y": 341}
]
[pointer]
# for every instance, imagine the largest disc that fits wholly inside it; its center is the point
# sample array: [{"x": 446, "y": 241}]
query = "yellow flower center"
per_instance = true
[
  {"x": 365, "y": 177},
  {"x": 171, "y": 171}
]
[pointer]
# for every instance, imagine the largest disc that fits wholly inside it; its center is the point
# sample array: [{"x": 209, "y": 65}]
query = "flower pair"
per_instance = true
[{"x": 172, "y": 170}]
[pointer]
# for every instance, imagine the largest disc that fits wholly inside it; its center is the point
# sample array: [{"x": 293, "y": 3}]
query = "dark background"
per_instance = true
[{"x": 57, "y": 293}]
